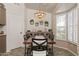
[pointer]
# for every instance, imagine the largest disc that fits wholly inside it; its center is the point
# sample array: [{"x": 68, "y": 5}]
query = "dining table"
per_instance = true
[{"x": 28, "y": 43}]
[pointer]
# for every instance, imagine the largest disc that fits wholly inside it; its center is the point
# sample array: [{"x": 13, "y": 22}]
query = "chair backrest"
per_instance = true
[{"x": 39, "y": 42}]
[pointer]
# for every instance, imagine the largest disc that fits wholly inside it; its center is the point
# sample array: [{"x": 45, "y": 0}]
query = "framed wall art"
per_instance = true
[
  {"x": 36, "y": 24},
  {"x": 31, "y": 22},
  {"x": 46, "y": 23},
  {"x": 41, "y": 22}
]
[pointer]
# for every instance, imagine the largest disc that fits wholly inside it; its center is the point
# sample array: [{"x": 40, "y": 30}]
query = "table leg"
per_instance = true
[
  {"x": 25, "y": 53},
  {"x": 52, "y": 50}
]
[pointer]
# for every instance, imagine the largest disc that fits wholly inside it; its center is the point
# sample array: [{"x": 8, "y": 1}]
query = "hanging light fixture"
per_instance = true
[{"x": 40, "y": 14}]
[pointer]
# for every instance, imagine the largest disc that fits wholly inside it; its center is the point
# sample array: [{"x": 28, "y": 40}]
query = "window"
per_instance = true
[
  {"x": 67, "y": 23},
  {"x": 60, "y": 26},
  {"x": 72, "y": 25}
]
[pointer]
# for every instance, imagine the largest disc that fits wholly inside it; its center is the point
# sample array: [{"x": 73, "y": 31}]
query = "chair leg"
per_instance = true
[
  {"x": 31, "y": 53},
  {"x": 52, "y": 50},
  {"x": 47, "y": 50}
]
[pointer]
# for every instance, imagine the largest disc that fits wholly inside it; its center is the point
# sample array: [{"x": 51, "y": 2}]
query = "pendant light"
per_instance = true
[{"x": 40, "y": 13}]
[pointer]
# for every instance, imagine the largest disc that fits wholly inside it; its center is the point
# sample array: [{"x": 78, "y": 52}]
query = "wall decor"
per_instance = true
[
  {"x": 41, "y": 22},
  {"x": 31, "y": 21},
  {"x": 46, "y": 23},
  {"x": 36, "y": 24}
]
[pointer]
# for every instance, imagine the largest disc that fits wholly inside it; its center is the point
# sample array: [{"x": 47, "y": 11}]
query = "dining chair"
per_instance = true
[{"x": 39, "y": 45}]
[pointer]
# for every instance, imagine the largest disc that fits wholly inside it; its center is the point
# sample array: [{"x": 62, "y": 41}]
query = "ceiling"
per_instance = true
[
  {"x": 49, "y": 7},
  {"x": 61, "y": 7}
]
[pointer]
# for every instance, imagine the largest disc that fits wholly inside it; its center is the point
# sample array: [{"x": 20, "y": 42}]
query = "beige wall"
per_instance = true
[
  {"x": 53, "y": 21},
  {"x": 14, "y": 25}
]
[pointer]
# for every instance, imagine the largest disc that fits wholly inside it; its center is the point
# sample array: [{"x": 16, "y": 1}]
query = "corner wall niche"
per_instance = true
[{"x": 2, "y": 14}]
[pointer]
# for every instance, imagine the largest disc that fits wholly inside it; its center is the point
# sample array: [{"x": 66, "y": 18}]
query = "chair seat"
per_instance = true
[{"x": 39, "y": 53}]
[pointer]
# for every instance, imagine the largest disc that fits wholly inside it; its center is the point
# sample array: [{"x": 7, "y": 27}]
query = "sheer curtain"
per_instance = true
[
  {"x": 60, "y": 26},
  {"x": 72, "y": 25},
  {"x": 67, "y": 23}
]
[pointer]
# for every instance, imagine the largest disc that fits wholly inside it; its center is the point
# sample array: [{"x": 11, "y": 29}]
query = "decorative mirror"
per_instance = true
[{"x": 31, "y": 21}]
